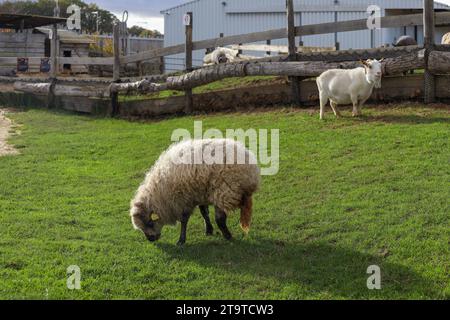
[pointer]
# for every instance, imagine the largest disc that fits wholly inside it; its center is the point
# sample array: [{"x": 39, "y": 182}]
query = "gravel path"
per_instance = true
[{"x": 5, "y": 127}]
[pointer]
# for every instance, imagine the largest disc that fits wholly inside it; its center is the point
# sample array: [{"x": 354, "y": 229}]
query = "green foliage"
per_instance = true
[
  {"x": 88, "y": 18},
  {"x": 142, "y": 32},
  {"x": 350, "y": 193}
]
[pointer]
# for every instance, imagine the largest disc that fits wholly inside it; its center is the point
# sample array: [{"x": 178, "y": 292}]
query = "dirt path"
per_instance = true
[{"x": 5, "y": 127}]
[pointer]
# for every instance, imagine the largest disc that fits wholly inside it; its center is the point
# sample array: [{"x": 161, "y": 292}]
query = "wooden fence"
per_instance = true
[{"x": 434, "y": 59}]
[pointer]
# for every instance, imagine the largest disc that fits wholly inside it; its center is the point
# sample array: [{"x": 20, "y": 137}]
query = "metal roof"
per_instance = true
[
  {"x": 18, "y": 21},
  {"x": 437, "y": 5},
  {"x": 66, "y": 36},
  {"x": 178, "y": 6}
]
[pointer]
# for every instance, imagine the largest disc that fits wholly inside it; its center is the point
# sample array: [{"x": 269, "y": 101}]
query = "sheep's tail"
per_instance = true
[{"x": 246, "y": 213}]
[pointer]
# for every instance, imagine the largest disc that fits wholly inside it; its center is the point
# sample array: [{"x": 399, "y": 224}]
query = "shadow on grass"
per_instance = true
[
  {"x": 321, "y": 268},
  {"x": 405, "y": 119}
]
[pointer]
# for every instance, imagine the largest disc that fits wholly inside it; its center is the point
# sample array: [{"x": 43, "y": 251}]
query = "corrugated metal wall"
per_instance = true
[{"x": 233, "y": 17}]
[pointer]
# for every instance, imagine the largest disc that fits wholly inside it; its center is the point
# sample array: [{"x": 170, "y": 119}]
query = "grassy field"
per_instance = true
[{"x": 350, "y": 193}]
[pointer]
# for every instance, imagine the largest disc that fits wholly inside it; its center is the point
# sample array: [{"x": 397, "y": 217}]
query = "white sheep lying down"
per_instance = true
[
  {"x": 227, "y": 176},
  {"x": 224, "y": 55},
  {"x": 353, "y": 86}
]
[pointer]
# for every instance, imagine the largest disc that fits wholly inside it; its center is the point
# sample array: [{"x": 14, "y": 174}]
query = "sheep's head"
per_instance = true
[
  {"x": 374, "y": 71},
  {"x": 147, "y": 221}
]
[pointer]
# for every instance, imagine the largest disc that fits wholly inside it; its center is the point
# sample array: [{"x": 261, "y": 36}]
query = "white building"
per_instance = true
[{"x": 213, "y": 18}]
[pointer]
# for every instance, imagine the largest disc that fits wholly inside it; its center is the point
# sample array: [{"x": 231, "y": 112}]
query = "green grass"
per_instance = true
[
  {"x": 350, "y": 193},
  {"x": 225, "y": 84}
]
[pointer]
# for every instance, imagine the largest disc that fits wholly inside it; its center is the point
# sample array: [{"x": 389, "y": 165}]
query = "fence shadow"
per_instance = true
[
  {"x": 405, "y": 119},
  {"x": 322, "y": 268}
]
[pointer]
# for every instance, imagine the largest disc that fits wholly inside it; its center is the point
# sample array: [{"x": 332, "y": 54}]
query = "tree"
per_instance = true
[
  {"x": 137, "y": 31},
  {"x": 106, "y": 19}
]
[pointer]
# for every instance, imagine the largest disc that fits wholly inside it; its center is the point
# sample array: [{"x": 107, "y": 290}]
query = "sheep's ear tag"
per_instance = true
[{"x": 154, "y": 217}]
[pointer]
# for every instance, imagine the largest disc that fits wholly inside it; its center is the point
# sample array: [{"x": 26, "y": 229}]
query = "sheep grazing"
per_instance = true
[
  {"x": 446, "y": 38},
  {"x": 404, "y": 41},
  {"x": 225, "y": 175},
  {"x": 353, "y": 86}
]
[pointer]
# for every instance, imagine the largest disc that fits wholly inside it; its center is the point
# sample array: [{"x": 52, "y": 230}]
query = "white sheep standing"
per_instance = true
[
  {"x": 353, "y": 86},
  {"x": 227, "y": 176},
  {"x": 446, "y": 38}
]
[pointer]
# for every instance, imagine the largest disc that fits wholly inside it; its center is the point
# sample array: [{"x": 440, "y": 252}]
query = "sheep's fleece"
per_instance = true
[{"x": 171, "y": 188}]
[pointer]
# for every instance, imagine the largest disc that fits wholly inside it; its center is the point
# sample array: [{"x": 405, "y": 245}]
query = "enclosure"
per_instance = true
[{"x": 350, "y": 193}]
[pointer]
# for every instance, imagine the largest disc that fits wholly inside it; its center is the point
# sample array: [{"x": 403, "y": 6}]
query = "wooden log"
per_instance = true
[
  {"x": 61, "y": 90},
  {"x": 75, "y": 91},
  {"x": 439, "y": 62},
  {"x": 35, "y": 88},
  {"x": 295, "y": 69}
]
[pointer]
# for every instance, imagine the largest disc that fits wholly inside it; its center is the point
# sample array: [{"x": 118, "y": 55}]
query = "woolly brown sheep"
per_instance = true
[{"x": 227, "y": 176}]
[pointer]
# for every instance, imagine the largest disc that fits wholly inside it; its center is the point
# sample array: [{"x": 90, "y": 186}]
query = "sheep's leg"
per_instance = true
[
  {"x": 335, "y": 110},
  {"x": 355, "y": 102},
  {"x": 205, "y": 213},
  {"x": 221, "y": 220},
  {"x": 360, "y": 105},
  {"x": 184, "y": 222},
  {"x": 323, "y": 104}
]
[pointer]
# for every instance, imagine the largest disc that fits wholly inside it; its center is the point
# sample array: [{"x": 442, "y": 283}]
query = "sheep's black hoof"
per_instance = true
[
  {"x": 228, "y": 236},
  {"x": 181, "y": 243},
  {"x": 210, "y": 232}
]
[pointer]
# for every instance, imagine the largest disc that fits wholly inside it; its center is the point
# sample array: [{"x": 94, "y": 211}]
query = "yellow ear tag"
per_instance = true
[{"x": 154, "y": 217}]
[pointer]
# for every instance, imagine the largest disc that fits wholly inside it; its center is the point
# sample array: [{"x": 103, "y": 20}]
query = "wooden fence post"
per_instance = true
[
  {"x": 189, "y": 107},
  {"x": 162, "y": 65},
  {"x": 295, "y": 81},
  {"x": 54, "y": 53},
  {"x": 116, "y": 69},
  {"x": 429, "y": 34}
]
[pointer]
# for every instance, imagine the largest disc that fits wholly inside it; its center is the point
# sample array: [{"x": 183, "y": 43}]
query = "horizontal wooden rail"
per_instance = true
[
  {"x": 13, "y": 60},
  {"x": 88, "y": 61},
  {"x": 279, "y": 49},
  {"x": 442, "y": 18},
  {"x": 152, "y": 54},
  {"x": 61, "y": 60}
]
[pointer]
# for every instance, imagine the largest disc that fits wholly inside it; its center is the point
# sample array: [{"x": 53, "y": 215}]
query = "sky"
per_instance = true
[{"x": 144, "y": 13}]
